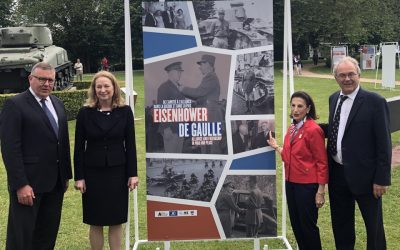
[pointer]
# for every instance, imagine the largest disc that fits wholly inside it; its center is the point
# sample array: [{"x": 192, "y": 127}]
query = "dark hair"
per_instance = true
[{"x": 309, "y": 102}]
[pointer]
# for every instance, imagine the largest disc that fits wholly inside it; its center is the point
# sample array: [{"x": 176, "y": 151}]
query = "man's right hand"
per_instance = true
[{"x": 25, "y": 195}]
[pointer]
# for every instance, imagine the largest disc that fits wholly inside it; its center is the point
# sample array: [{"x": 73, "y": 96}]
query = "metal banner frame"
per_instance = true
[
  {"x": 379, "y": 55},
  {"x": 288, "y": 65}
]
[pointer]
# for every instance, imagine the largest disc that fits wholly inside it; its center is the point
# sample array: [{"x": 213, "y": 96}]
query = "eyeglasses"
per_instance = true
[
  {"x": 43, "y": 80},
  {"x": 343, "y": 76}
]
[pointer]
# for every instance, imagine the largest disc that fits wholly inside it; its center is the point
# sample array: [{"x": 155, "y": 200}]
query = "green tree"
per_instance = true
[{"x": 5, "y": 12}]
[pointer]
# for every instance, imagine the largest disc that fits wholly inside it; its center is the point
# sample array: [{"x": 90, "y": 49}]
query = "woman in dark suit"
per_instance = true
[
  {"x": 105, "y": 159},
  {"x": 306, "y": 170}
]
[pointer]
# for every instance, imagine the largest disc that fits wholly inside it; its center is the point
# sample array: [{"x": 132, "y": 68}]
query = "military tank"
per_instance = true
[{"x": 21, "y": 48}]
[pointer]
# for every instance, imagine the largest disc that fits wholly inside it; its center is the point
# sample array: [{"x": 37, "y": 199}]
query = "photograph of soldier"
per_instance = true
[
  {"x": 235, "y": 24},
  {"x": 249, "y": 82},
  {"x": 168, "y": 90},
  {"x": 227, "y": 208},
  {"x": 219, "y": 29},
  {"x": 169, "y": 15},
  {"x": 253, "y": 90},
  {"x": 189, "y": 179},
  {"x": 251, "y": 134},
  {"x": 248, "y": 208},
  {"x": 192, "y": 81},
  {"x": 207, "y": 95}
]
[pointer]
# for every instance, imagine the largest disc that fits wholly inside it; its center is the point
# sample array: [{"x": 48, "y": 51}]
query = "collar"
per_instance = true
[
  {"x": 37, "y": 97},
  {"x": 353, "y": 95}
]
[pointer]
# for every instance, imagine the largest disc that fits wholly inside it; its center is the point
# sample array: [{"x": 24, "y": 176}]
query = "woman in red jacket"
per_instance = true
[{"x": 306, "y": 170}]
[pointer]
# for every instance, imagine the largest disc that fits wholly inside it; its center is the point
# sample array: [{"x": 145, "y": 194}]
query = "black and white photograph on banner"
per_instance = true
[
  {"x": 253, "y": 89},
  {"x": 186, "y": 103},
  {"x": 169, "y": 15},
  {"x": 251, "y": 134},
  {"x": 189, "y": 179},
  {"x": 235, "y": 24},
  {"x": 246, "y": 206}
]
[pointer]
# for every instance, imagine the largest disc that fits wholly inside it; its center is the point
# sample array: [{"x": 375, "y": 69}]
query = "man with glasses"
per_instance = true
[
  {"x": 36, "y": 154},
  {"x": 359, "y": 155}
]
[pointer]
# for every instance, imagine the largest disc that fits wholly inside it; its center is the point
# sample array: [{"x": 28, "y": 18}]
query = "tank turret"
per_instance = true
[{"x": 21, "y": 48}]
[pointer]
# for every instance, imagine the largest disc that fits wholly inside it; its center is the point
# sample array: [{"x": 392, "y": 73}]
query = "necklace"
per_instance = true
[{"x": 108, "y": 112}]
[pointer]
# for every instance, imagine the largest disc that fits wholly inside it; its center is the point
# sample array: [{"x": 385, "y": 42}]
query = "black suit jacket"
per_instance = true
[
  {"x": 166, "y": 21},
  {"x": 260, "y": 140},
  {"x": 366, "y": 143},
  {"x": 239, "y": 145},
  {"x": 32, "y": 154},
  {"x": 97, "y": 146},
  {"x": 150, "y": 20}
]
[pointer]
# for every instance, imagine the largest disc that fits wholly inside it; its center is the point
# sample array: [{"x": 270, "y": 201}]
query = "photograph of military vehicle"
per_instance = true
[
  {"x": 188, "y": 179},
  {"x": 247, "y": 28},
  {"x": 21, "y": 48},
  {"x": 268, "y": 226},
  {"x": 253, "y": 89}
]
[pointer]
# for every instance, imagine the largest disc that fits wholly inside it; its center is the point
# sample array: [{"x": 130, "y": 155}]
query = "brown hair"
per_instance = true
[{"x": 117, "y": 99}]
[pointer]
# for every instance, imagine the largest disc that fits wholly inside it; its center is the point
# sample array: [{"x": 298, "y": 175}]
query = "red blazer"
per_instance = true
[{"x": 305, "y": 157}]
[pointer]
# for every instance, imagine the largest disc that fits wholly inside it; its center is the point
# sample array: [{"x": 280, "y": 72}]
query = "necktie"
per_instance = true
[
  {"x": 50, "y": 116},
  {"x": 335, "y": 127}
]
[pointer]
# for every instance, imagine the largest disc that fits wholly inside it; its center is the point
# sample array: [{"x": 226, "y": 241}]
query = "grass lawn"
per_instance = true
[{"x": 73, "y": 233}]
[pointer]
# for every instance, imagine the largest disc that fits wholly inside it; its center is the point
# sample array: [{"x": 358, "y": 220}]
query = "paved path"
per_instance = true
[{"x": 307, "y": 73}]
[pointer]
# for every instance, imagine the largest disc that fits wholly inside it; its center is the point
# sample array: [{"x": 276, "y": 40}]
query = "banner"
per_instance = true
[
  {"x": 389, "y": 65},
  {"x": 209, "y": 96},
  {"x": 368, "y": 53},
  {"x": 337, "y": 54}
]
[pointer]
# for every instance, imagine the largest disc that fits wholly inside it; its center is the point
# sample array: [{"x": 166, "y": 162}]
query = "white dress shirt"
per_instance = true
[
  {"x": 49, "y": 104},
  {"x": 344, "y": 116}
]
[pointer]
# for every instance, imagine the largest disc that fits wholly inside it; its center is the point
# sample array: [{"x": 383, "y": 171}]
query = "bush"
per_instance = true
[
  {"x": 73, "y": 101},
  {"x": 82, "y": 85}
]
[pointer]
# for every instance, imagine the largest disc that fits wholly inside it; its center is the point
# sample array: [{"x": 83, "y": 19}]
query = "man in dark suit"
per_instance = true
[
  {"x": 168, "y": 16},
  {"x": 168, "y": 90},
  {"x": 240, "y": 139},
  {"x": 36, "y": 154},
  {"x": 260, "y": 140},
  {"x": 150, "y": 20},
  {"x": 359, "y": 155}
]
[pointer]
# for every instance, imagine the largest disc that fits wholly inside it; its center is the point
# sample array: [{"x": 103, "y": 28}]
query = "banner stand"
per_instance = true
[
  {"x": 384, "y": 85},
  {"x": 288, "y": 55}
]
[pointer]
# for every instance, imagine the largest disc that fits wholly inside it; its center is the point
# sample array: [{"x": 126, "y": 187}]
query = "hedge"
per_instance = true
[
  {"x": 73, "y": 100},
  {"x": 82, "y": 85}
]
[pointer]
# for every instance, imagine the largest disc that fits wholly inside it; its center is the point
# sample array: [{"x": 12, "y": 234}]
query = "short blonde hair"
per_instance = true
[{"x": 92, "y": 100}]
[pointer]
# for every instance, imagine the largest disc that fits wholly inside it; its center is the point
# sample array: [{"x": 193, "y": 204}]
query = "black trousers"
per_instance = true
[
  {"x": 342, "y": 202},
  {"x": 34, "y": 227},
  {"x": 303, "y": 214}
]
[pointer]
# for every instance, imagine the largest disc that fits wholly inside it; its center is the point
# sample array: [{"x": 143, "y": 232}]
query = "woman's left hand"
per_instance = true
[{"x": 133, "y": 182}]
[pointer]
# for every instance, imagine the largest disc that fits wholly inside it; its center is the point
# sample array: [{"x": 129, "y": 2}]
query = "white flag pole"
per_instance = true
[{"x": 129, "y": 100}]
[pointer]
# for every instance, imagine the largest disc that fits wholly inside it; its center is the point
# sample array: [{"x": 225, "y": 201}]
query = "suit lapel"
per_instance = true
[
  {"x": 332, "y": 106},
  {"x": 60, "y": 114},
  {"x": 38, "y": 110},
  {"x": 356, "y": 105}
]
